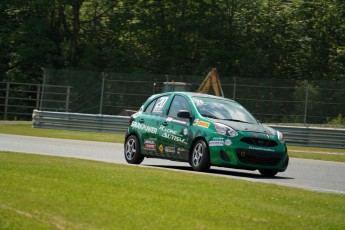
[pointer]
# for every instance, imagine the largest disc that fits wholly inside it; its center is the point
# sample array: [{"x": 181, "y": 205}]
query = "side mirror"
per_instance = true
[{"x": 184, "y": 114}]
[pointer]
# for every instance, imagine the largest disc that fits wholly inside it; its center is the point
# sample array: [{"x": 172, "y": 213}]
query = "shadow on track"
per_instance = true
[{"x": 223, "y": 172}]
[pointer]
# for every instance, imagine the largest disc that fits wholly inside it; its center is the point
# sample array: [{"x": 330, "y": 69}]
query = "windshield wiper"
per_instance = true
[
  {"x": 209, "y": 115},
  {"x": 229, "y": 119}
]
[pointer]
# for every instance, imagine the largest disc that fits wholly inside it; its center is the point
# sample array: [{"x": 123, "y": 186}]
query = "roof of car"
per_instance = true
[{"x": 192, "y": 94}]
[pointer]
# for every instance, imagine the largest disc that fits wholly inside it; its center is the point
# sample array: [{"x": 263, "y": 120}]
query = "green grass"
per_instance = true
[
  {"x": 317, "y": 153},
  {"x": 24, "y": 129},
  {"x": 27, "y": 130},
  {"x": 314, "y": 149},
  {"x": 317, "y": 156},
  {"x": 43, "y": 192}
]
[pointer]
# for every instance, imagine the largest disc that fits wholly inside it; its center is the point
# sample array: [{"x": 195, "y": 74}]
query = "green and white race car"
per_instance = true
[{"x": 204, "y": 131}]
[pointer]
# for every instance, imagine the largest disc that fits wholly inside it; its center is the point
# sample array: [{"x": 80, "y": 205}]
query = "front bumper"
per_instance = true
[{"x": 247, "y": 157}]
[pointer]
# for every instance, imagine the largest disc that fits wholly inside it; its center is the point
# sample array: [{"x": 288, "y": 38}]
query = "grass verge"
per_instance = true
[
  {"x": 314, "y": 149},
  {"x": 25, "y": 129},
  {"x": 318, "y": 156},
  {"x": 325, "y": 154},
  {"x": 43, "y": 192}
]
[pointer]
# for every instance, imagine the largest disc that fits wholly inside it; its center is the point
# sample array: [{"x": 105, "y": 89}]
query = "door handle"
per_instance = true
[
  {"x": 141, "y": 120},
  {"x": 165, "y": 123}
]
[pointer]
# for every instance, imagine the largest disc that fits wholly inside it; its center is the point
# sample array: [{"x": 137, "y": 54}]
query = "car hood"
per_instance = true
[{"x": 245, "y": 127}]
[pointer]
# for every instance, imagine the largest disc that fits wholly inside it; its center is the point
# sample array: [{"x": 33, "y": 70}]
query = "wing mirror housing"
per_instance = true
[{"x": 184, "y": 114}]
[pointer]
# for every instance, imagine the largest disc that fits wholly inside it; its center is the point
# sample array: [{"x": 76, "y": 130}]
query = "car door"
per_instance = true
[
  {"x": 173, "y": 131},
  {"x": 151, "y": 119}
]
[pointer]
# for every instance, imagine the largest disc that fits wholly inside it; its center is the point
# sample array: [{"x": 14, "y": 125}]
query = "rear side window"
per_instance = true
[
  {"x": 157, "y": 105},
  {"x": 150, "y": 106}
]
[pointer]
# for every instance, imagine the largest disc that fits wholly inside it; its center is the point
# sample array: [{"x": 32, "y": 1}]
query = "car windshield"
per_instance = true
[{"x": 223, "y": 110}]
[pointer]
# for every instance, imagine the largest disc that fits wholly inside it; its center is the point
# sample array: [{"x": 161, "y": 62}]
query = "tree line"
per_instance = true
[{"x": 283, "y": 39}]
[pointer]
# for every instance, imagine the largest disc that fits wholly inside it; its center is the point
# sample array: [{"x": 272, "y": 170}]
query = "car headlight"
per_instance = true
[
  {"x": 225, "y": 130},
  {"x": 280, "y": 137}
]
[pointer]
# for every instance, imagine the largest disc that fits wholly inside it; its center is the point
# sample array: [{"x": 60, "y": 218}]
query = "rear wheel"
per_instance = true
[
  {"x": 132, "y": 150},
  {"x": 268, "y": 173},
  {"x": 200, "y": 157}
]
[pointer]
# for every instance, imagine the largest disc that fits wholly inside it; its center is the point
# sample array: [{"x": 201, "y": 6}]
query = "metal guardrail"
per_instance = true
[
  {"x": 301, "y": 136},
  {"x": 314, "y": 137},
  {"x": 80, "y": 122}
]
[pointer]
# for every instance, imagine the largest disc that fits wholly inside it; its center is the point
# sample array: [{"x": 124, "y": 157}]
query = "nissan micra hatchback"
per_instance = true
[{"x": 204, "y": 131}]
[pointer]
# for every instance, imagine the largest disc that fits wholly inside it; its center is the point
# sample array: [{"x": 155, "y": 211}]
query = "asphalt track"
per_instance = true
[{"x": 313, "y": 175}]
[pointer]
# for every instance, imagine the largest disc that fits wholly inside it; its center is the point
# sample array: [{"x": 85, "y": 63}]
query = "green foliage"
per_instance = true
[
  {"x": 297, "y": 39},
  {"x": 339, "y": 120}
]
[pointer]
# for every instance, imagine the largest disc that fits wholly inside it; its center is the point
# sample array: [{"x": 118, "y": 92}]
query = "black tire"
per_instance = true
[
  {"x": 132, "y": 150},
  {"x": 268, "y": 173},
  {"x": 200, "y": 157}
]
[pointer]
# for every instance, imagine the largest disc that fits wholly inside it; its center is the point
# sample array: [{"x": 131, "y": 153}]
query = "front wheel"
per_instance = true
[
  {"x": 132, "y": 150},
  {"x": 268, "y": 173},
  {"x": 200, "y": 157}
]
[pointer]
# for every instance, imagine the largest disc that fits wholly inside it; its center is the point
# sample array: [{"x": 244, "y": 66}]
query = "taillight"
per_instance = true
[{"x": 130, "y": 120}]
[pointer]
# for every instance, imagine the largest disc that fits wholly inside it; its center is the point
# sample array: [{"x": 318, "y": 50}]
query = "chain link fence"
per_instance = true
[{"x": 270, "y": 100}]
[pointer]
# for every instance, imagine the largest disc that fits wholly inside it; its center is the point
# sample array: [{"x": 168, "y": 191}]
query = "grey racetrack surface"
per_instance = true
[{"x": 307, "y": 174}]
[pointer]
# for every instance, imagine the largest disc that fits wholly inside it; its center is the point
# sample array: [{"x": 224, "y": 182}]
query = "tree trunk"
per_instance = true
[{"x": 74, "y": 43}]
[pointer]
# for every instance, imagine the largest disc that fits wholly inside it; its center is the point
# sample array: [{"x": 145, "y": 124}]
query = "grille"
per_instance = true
[
  {"x": 258, "y": 157},
  {"x": 259, "y": 142}
]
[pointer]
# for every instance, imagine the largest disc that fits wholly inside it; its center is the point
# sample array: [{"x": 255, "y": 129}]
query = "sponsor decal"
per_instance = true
[
  {"x": 144, "y": 127},
  {"x": 261, "y": 149},
  {"x": 268, "y": 136},
  {"x": 216, "y": 143},
  {"x": 196, "y": 122},
  {"x": 163, "y": 128},
  {"x": 256, "y": 135},
  {"x": 179, "y": 122},
  {"x": 169, "y": 149},
  {"x": 150, "y": 145},
  {"x": 173, "y": 137},
  {"x": 204, "y": 124},
  {"x": 160, "y": 104},
  {"x": 161, "y": 148},
  {"x": 228, "y": 142},
  {"x": 180, "y": 150},
  {"x": 185, "y": 132},
  {"x": 169, "y": 119}
]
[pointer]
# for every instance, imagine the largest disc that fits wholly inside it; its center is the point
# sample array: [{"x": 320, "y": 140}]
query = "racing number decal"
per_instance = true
[{"x": 160, "y": 104}]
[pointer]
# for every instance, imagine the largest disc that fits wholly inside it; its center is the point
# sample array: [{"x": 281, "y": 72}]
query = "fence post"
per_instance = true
[
  {"x": 6, "y": 100},
  {"x": 67, "y": 97},
  {"x": 38, "y": 96},
  {"x": 102, "y": 92},
  {"x": 43, "y": 88},
  {"x": 306, "y": 102}
]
